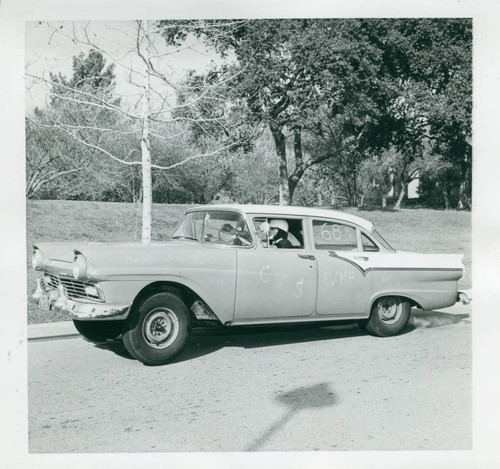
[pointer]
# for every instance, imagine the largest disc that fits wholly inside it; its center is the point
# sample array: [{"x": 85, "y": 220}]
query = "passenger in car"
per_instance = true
[{"x": 278, "y": 234}]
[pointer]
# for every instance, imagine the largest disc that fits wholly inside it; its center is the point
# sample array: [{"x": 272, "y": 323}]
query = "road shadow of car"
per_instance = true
[
  {"x": 206, "y": 341},
  {"x": 425, "y": 319},
  {"x": 116, "y": 346}
]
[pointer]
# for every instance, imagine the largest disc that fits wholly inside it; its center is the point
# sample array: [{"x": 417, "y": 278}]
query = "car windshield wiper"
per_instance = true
[{"x": 185, "y": 237}]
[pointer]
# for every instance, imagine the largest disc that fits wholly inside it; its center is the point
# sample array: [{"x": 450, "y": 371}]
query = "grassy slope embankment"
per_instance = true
[{"x": 416, "y": 230}]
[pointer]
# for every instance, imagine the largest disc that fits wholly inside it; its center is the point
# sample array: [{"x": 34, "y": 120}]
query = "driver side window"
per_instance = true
[{"x": 294, "y": 234}]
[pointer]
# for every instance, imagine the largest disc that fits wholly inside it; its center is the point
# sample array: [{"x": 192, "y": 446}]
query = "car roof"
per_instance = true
[{"x": 285, "y": 210}]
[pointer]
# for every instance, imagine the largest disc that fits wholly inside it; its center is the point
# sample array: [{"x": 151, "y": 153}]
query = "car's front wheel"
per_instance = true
[
  {"x": 389, "y": 316},
  {"x": 158, "y": 329},
  {"x": 98, "y": 331}
]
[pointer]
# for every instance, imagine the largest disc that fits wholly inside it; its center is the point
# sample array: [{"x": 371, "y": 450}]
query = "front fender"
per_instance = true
[
  {"x": 125, "y": 271},
  {"x": 218, "y": 292}
]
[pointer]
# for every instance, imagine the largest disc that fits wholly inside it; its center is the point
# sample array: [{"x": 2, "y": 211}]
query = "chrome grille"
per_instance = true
[
  {"x": 75, "y": 289},
  {"x": 50, "y": 282}
]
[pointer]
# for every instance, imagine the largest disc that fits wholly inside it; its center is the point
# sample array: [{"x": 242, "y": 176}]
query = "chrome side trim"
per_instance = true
[
  {"x": 363, "y": 271},
  {"x": 298, "y": 320},
  {"x": 394, "y": 269}
]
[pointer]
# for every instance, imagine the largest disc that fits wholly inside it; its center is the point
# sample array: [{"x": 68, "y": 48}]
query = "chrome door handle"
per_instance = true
[
  {"x": 363, "y": 258},
  {"x": 307, "y": 256}
]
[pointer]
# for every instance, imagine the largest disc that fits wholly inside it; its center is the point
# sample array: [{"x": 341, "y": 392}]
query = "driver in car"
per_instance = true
[{"x": 237, "y": 237}]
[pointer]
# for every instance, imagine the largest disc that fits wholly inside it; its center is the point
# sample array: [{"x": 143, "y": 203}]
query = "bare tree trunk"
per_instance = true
[
  {"x": 401, "y": 195},
  {"x": 446, "y": 199},
  {"x": 299, "y": 162},
  {"x": 461, "y": 204},
  {"x": 333, "y": 200},
  {"x": 465, "y": 192},
  {"x": 279, "y": 140},
  {"x": 147, "y": 186},
  {"x": 464, "y": 202}
]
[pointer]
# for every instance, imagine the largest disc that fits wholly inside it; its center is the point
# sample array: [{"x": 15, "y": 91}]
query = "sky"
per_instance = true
[{"x": 50, "y": 47}]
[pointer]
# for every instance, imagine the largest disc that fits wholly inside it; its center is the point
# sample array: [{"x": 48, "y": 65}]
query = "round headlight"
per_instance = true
[
  {"x": 79, "y": 266},
  {"x": 37, "y": 259}
]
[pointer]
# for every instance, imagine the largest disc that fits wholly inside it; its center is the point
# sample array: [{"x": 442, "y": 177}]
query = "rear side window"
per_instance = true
[{"x": 334, "y": 236}]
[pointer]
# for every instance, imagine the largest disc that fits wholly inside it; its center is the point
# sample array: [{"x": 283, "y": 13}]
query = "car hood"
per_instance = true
[
  {"x": 60, "y": 251},
  {"x": 60, "y": 255}
]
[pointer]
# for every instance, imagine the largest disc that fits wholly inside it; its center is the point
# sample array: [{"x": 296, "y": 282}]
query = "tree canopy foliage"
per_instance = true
[
  {"x": 343, "y": 91},
  {"x": 356, "y": 108}
]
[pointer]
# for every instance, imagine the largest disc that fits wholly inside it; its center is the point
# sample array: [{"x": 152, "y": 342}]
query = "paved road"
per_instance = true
[{"x": 315, "y": 388}]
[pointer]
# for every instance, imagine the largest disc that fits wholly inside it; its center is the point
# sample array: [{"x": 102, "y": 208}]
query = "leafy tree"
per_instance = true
[
  {"x": 71, "y": 170},
  {"x": 256, "y": 178},
  {"x": 420, "y": 105},
  {"x": 45, "y": 160},
  {"x": 296, "y": 73},
  {"x": 91, "y": 75},
  {"x": 431, "y": 62}
]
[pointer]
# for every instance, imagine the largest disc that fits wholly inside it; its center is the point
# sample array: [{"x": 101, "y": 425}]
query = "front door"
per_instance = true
[{"x": 275, "y": 283}]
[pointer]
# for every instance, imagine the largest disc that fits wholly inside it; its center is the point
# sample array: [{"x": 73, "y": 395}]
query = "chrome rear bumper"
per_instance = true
[
  {"x": 463, "y": 298},
  {"x": 58, "y": 300}
]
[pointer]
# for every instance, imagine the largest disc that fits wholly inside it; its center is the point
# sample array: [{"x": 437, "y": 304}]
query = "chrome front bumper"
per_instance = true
[{"x": 58, "y": 300}]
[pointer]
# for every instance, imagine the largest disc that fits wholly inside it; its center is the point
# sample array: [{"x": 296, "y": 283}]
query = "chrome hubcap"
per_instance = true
[
  {"x": 161, "y": 328},
  {"x": 388, "y": 310}
]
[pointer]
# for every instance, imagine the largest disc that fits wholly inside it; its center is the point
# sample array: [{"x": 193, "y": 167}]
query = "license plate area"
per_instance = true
[{"x": 44, "y": 303}]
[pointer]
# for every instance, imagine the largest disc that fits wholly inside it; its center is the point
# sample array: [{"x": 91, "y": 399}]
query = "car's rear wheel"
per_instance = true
[
  {"x": 389, "y": 316},
  {"x": 157, "y": 331},
  {"x": 98, "y": 331}
]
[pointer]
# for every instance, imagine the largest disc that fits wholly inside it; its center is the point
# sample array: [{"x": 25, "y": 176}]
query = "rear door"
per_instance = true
[{"x": 344, "y": 283}]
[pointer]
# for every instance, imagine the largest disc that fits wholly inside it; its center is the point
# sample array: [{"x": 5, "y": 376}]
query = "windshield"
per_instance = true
[
  {"x": 214, "y": 227},
  {"x": 382, "y": 241},
  {"x": 191, "y": 227}
]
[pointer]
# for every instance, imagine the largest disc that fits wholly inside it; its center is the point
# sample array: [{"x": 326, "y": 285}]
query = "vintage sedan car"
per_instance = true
[{"x": 224, "y": 264}]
